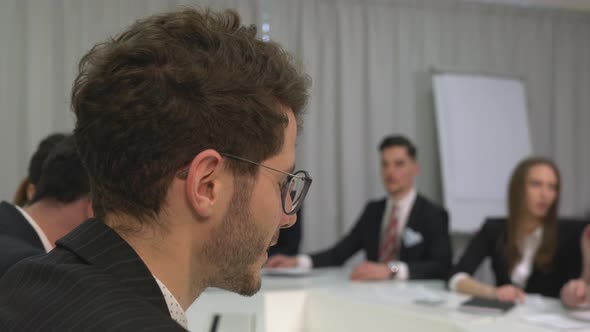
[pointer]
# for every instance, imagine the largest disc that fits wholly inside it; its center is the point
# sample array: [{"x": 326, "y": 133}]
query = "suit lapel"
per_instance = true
[
  {"x": 14, "y": 224},
  {"x": 99, "y": 245}
]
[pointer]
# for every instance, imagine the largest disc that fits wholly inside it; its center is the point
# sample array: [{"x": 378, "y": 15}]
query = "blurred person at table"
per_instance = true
[
  {"x": 60, "y": 203},
  {"x": 26, "y": 189},
  {"x": 404, "y": 235},
  {"x": 529, "y": 253}
]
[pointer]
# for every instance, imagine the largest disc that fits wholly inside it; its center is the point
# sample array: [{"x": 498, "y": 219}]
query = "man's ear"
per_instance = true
[{"x": 203, "y": 181}]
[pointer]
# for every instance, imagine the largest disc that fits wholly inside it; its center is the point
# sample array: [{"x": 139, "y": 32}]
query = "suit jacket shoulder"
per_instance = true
[
  {"x": 375, "y": 206},
  {"x": 92, "y": 281},
  {"x": 14, "y": 224},
  {"x": 18, "y": 239},
  {"x": 494, "y": 227},
  {"x": 424, "y": 211},
  {"x": 13, "y": 250},
  {"x": 374, "y": 211},
  {"x": 427, "y": 204}
]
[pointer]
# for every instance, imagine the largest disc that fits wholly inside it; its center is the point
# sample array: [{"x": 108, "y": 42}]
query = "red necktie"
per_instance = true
[{"x": 388, "y": 247}]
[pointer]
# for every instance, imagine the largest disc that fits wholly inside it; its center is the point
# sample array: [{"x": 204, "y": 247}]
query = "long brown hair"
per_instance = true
[
  {"x": 20, "y": 196},
  {"x": 516, "y": 209}
]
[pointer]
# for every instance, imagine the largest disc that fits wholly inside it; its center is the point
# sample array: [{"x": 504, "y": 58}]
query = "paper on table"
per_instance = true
[
  {"x": 581, "y": 315},
  {"x": 537, "y": 302},
  {"x": 428, "y": 297},
  {"x": 556, "y": 321}
]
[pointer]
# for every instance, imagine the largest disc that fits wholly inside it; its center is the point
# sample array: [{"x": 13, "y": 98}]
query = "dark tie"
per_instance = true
[{"x": 388, "y": 247}]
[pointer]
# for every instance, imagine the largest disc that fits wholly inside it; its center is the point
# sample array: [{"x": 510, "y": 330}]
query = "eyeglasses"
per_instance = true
[{"x": 293, "y": 191}]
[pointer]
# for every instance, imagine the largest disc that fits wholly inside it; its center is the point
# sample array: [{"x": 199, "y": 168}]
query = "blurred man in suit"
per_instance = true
[
  {"x": 60, "y": 203},
  {"x": 186, "y": 124},
  {"x": 404, "y": 236}
]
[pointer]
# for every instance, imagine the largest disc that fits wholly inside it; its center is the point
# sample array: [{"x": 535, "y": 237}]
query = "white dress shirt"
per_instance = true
[
  {"x": 404, "y": 207},
  {"x": 522, "y": 271},
  {"x": 46, "y": 244},
  {"x": 174, "y": 307}
]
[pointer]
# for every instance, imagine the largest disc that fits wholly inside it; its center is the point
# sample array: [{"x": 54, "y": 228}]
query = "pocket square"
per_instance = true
[{"x": 411, "y": 237}]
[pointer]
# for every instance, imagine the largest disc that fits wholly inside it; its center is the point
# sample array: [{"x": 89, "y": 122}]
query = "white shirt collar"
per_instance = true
[
  {"x": 407, "y": 201},
  {"x": 46, "y": 244},
  {"x": 536, "y": 235},
  {"x": 176, "y": 311}
]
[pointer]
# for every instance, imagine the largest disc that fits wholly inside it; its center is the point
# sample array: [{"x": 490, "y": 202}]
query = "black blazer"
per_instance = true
[
  {"x": 18, "y": 239},
  {"x": 92, "y": 281},
  {"x": 429, "y": 259},
  {"x": 489, "y": 241}
]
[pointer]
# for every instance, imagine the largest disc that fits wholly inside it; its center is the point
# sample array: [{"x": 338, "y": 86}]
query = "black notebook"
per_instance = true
[{"x": 486, "y": 306}]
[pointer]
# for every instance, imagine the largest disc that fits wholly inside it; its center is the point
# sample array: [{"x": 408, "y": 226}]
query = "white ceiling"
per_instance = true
[{"x": 566, "y": 4}]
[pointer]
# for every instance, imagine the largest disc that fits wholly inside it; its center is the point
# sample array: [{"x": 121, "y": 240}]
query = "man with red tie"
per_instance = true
[{"x": 404, "y": 236}]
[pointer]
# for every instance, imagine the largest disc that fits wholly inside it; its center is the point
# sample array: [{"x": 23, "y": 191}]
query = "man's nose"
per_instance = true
[{"x": 288, "y": 220}]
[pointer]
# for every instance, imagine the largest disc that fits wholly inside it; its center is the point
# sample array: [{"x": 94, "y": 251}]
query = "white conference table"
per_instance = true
[{"x": 326, "y": 300}]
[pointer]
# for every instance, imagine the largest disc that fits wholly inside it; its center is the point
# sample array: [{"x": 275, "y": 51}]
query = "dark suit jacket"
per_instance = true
[
  {"x": 18, "y": 239},
  {"x": 92, "y": 281},
  {"x": 489, "y": 241},
  {"x": 429, "y": 259}
]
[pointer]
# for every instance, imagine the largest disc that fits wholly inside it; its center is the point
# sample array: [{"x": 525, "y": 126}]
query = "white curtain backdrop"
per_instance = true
[
  {"x": 370, "y": 62},
  {"x": 41, "y": 43}
]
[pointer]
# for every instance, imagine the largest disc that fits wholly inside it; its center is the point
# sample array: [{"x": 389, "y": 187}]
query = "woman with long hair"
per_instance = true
[{"x": 524, "y": 247}]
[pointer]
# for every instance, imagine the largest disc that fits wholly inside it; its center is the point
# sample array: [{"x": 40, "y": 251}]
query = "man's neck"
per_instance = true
[
  {"x": 48, "y": 217},
  {"x": 168, "y": 256},
  {"x": 398, "y": 196}
]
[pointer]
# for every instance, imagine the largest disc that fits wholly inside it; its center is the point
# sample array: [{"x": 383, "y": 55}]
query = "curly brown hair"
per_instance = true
[{"x": 171, "y": 86}]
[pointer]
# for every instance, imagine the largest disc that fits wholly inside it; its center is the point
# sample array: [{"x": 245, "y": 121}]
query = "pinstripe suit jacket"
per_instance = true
[{"x": 92, "y": 281}]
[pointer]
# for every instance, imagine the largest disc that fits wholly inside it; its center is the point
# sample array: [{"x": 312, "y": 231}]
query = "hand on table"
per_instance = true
[
  {"x": 510, "y": 293},
  {"x": 370, "y": 271},
  {"x": 281, "y": 261}
]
